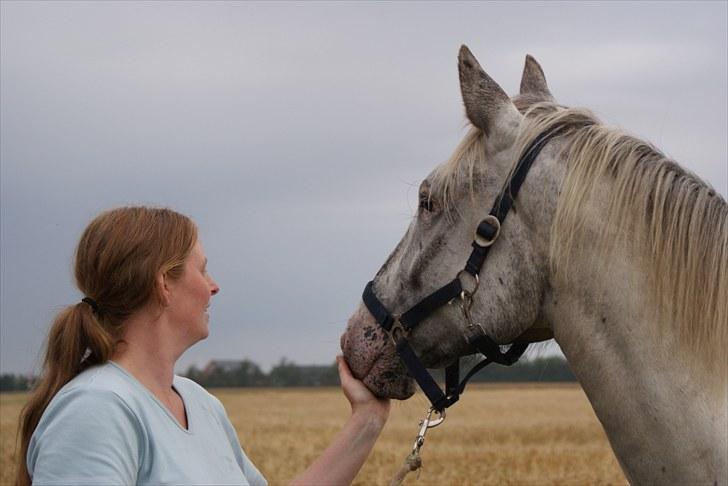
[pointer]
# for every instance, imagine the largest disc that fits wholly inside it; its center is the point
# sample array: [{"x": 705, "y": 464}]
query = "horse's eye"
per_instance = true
[{"x": 426, "y": 202}]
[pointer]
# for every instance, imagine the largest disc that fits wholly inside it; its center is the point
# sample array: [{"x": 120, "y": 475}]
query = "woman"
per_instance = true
[{"x": 108, "y": 408}]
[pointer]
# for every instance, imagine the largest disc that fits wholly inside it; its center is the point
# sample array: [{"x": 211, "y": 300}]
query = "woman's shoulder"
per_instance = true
[
  {"x": 110, "y": 382},
  {"x": 98, "y": 389},
  {"x": 90, "y": 417},
  {"x": 107, "y": 379}
]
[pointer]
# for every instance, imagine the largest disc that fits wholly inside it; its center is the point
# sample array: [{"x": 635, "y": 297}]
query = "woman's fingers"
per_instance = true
[
  {"x": 358, "y": 394},
  {"x": 354, "y": 389}
]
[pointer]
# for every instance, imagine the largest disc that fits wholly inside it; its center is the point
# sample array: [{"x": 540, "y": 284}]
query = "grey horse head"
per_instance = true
[{"x": 453, "y": 199}]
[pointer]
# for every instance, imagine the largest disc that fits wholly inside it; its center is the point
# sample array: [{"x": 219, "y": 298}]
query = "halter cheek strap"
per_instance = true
[{"x": 399, "y": 327}]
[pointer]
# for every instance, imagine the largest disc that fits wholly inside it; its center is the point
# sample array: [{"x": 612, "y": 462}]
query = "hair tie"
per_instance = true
[{"x": 92, "y": 303}]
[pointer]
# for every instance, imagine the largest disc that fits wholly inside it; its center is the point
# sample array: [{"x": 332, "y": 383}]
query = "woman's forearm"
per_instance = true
[{"x": 341, "y": 461}]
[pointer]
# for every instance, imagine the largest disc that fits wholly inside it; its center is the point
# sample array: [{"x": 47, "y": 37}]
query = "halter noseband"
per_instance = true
[{"x": 398, "y": 327}]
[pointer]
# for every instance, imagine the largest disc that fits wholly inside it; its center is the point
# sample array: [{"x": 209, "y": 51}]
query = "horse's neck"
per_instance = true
[{"x": 665, "y": 424}]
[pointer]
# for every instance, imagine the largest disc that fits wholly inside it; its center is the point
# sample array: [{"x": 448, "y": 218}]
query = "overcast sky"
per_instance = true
[{"x": 295, "y": 135}]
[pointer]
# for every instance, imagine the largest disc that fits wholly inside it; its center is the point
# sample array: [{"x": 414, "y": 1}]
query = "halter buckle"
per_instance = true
[
  {"x": 483, "y": 240},
  {"x": 475, "y": 282}
]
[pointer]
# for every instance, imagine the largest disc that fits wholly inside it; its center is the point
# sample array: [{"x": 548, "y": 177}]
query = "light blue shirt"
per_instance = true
[{"x": 105, "y": 427}]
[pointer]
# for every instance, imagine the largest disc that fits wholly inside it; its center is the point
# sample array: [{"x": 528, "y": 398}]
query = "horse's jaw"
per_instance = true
[{"x": 372, "y": 358}]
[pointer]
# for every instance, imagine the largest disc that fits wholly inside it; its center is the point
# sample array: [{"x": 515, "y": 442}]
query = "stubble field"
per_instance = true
[{"x": 531, "y": 434}]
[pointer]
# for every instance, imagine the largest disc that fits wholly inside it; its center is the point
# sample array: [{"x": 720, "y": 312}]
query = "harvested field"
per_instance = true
[{"x": 526, "y": 434}]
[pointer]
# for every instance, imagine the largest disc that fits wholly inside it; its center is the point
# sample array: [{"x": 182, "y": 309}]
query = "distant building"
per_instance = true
[{"x": 221, "y": 366}]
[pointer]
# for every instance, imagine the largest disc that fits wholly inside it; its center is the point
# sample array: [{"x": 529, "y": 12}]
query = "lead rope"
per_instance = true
[{"x": 413, "y": 462}]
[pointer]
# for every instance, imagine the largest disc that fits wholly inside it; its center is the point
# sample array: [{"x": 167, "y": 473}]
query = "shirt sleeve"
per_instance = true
[
  {"x": 254, "y": 477},
  {"x": 86, "y": 437}
]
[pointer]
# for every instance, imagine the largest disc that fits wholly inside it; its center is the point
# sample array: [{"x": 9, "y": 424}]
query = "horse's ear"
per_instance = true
[
  {"x": 533, "y": 81},
  {"x": 486, "y": 104}
]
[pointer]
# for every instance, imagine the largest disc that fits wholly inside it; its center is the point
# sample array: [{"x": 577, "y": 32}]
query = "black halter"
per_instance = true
[{"x": 399, "y": 326}]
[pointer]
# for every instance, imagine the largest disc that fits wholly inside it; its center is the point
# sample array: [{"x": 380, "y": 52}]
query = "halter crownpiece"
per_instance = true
[{"x": 398, "y": 327}]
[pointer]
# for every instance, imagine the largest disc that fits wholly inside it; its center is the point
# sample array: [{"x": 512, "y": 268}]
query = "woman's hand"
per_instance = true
[{"x": 361, "y": 399}]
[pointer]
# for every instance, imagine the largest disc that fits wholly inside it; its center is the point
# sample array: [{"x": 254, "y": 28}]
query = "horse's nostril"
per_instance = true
[{"x": 342, "y": 342}]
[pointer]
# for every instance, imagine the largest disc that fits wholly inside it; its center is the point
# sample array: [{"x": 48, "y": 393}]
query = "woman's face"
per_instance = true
[{"x": 189, "y": 296}]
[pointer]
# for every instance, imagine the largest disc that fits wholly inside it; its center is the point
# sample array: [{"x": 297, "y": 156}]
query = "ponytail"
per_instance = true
[{"x": 76, "y": 341}]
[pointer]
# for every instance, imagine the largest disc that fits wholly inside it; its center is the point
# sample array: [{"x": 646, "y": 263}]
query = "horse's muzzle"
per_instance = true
[{"x": 372, "y": 358}]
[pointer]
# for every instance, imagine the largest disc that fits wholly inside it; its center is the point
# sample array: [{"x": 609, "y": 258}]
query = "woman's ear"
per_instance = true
[{"x": 163, "y": 289}]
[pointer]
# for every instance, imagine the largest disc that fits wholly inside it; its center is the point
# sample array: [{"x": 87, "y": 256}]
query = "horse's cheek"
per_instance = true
[
  {"x": 514, "y": 300},
  {"x": 528, "y": 293}
]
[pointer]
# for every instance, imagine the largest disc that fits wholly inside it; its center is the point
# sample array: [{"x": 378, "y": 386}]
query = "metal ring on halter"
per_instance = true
[
  {"x": 397, "y": 330},
  {"x": 481, "y": 241},
  {"x": 475, "y": 278}
]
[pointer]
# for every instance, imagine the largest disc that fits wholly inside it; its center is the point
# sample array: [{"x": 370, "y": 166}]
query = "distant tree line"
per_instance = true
[
  {"x": 10, "y": 382},
  {"x": 245, "y": 373},
  {"x": 550, "y": 369}
]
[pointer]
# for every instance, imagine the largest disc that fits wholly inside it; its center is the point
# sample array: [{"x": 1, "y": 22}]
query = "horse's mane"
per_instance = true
[{"x": 675, "y": 222}]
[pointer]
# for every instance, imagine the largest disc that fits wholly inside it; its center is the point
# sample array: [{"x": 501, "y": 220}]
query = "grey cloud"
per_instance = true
[{"x": 294, "y": 122}]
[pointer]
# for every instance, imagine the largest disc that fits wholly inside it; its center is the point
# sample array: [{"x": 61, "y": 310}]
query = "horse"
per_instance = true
[{"x": 611, "y": 249}]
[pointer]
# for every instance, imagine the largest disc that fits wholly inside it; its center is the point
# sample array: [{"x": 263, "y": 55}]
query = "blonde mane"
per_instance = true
[{"x": 673, "y": 220}]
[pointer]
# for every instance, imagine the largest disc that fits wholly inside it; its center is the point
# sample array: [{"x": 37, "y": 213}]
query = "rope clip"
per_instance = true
[{"x": 427, "y": 423}]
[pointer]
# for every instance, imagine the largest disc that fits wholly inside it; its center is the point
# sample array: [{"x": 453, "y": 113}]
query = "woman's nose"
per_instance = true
[{"x": 214, "y": 288}]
